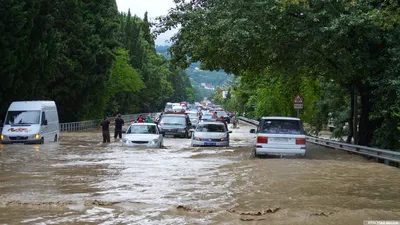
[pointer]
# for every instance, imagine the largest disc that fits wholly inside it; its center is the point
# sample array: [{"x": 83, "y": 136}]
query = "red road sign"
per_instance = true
[{"x": 298, "y": 100}]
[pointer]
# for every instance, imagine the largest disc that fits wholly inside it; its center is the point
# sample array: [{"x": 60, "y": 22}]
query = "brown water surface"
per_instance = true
[{"x": 83, "y": 181}]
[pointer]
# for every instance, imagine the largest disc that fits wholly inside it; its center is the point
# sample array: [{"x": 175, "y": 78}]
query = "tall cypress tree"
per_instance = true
[{"x": 147, "y": 33}]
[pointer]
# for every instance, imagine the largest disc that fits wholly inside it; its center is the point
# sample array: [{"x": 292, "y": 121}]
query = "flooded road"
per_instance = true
[{"x": 83, "y": 181}]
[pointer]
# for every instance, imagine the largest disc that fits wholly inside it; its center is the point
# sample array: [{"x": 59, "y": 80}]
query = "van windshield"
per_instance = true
[
  {"x": 281, "y": 127},
  {"x": 22, "y": 117}
]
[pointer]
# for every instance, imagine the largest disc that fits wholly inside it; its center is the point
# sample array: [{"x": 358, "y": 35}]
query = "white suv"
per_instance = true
[{"x": 280, "y": 136}]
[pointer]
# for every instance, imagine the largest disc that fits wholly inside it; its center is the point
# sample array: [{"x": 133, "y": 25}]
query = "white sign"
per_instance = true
[
  {"x": 298, "y": 106},
  {"x": 224, "y": 94}
]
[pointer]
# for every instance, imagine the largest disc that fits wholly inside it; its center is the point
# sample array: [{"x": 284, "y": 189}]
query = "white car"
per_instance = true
[
  {"x": 280, "y": 136},
  {"x": 143, "y": 134},
  {"x": 210, "y": 134},
  {"x": 194, "y": 118}
]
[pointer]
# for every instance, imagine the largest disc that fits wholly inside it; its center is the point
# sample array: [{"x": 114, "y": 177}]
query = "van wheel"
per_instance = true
[
  {"x": 42, "y": 141},
  {"x": 55, "y": 138}
]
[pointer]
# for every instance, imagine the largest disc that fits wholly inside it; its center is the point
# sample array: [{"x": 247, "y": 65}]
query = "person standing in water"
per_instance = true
[
  {"x": 118, "y": 127},
  {"x": 105, "y": 125}
]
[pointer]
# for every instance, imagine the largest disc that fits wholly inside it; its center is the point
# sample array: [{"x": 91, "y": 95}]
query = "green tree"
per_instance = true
[{"x": 351, "y": 43}]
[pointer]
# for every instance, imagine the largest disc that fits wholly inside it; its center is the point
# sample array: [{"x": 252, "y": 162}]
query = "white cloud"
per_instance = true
[{"x": 154, "y": 8}]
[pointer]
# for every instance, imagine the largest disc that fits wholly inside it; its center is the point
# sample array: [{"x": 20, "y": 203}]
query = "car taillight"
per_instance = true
[
  {"x": 300, "y": 141},
  {"x": 262, "y": 140}
]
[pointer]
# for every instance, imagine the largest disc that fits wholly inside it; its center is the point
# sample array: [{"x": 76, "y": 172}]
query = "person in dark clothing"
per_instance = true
[
  {"x": 105, "y": 125},
  {"x": 118, "y": 127}
]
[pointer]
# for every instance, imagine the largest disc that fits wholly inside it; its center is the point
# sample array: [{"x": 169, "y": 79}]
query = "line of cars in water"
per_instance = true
[
  {"x": 190, "y": 124},
  {"x": 281, "y": 136},
  {"x": 37, "y": 122}
]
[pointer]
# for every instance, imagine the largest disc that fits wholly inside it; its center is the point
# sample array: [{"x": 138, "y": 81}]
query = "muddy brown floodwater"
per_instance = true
[{"x": 83, "y": 181}]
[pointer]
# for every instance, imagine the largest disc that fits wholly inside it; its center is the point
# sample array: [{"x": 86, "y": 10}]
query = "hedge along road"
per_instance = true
[{"x": 83, "y": 181}]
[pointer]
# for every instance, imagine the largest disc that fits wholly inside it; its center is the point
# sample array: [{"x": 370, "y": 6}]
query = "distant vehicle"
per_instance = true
[
  {"x": 31, "y": 122},
  {"x": 280, "y": 136},
  {"x": 168, "y": 107},
  {"x": 224, "y": 115},
  {"x": 143, "y": 134},
  {"x": 194, "y": 118},
  {"x": 207, "y": 117},
  {"x": 210, "y": 134},
  {"x": 177, "y": 108},
  {"x": 176, "y": 125}
]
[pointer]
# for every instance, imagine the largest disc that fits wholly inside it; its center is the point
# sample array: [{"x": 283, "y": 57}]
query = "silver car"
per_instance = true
[
  {"x": 280, "y": 136},
  {"x": 210, "y": 134}
]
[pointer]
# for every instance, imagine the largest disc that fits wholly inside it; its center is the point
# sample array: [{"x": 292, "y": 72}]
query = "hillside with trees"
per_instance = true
[
  {"x": 87, "y": 57},
  {"x": 343, "y": 57},
  {"x": 198, "y": 76}
]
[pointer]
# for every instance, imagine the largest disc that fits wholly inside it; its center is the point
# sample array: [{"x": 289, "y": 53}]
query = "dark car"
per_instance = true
[
  {"x": 224, "y": 115},
  {"x": 176, "y": 125}
]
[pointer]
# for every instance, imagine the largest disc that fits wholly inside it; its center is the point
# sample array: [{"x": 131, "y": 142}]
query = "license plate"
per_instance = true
[
  {"x": 281, "y": 140},
  {"x": 209, "y": 143}
]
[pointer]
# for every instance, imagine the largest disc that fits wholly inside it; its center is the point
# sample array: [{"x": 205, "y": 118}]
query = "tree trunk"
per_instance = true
[
  {"x": 355, "y": 118},
  {"x": 352, "y": 95},
  {"x": 365, "y": 132}
]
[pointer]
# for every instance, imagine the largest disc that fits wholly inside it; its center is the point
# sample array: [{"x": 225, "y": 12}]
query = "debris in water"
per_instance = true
[
  {"x": 190, "y": 209},
  {"x": 21, "y": 203},
  {"x": 251, "y": 219},
  {"x": 259, "y": 213},
  {"x": 321, "y": 214},
  {"x": 99, "y": 203}
]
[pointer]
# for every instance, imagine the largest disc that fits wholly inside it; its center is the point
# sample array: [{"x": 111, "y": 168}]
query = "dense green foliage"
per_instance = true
[
  {"x": 342, "y": 56},
  {"x": 86, "y": 56}
]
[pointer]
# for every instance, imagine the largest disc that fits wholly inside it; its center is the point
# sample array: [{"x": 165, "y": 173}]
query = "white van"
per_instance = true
[{"x": 31, "y": 122}]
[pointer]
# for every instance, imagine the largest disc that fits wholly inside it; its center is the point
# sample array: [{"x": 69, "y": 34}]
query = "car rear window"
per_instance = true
[
  {"x": 211, "y": 128},
  {"x": 281, "y": 127}
]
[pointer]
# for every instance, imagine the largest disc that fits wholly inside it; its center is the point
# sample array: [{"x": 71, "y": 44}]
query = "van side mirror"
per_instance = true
[
  {"x": 253, "y": 131},
  {"x": 162, "y": 133},
  {"x": 44, "y": 122},
  {"x": 191, "y": 130},
  {"x": 230, "y": 132}
]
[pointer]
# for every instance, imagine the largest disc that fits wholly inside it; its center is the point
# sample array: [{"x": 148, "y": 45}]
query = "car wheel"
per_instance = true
[{"x": 42, "y": 141}]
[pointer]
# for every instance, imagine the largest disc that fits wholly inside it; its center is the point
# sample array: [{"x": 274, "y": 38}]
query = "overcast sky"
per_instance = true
[{"x": 153, "y": 7}]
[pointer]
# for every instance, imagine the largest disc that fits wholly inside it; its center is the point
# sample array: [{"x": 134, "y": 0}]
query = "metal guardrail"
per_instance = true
[
  {"x": 386, "y": 156},
  {"x": 92, "y": 124}
]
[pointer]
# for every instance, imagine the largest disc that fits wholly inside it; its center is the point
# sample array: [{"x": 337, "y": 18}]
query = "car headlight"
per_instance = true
[
  {"x": 197, "y": 138},
  {"x": 223, "y": 139},
  {"x": 2, "y": 137},
  {"x": 36, "y": 136},
  {"x": 155, "y": 141}
]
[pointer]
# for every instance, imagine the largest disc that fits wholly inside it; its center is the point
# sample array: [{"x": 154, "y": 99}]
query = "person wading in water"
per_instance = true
[
  {"x": 118, "y": 127},
  {"x": 105, "y": 125}
]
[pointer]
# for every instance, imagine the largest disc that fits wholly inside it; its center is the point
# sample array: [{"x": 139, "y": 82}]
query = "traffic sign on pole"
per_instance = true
[
  {"x": 298, "y": 104},
  {"x": 298, "y": 100}
]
